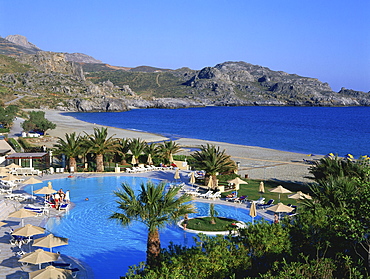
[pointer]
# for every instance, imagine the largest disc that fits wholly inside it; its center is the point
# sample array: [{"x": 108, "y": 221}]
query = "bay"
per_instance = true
[{"x": 318, "y": 130}]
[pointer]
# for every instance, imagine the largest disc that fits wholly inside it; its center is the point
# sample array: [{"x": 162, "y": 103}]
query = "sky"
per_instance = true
[{"x": 328, "y": 40}]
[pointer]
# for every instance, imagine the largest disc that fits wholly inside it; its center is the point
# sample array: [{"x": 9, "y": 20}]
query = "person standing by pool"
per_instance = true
[{"x": 185, "y": 222}]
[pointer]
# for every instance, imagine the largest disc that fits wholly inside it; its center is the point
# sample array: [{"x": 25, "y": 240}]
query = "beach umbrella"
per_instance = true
[
  {"x": 133, "y": 160},
  {"x": 281, "y": 190},
  {"x": 31, "y": 181},
  {"x": 149, "y": 160},
  {"x": 50, "y": 241},
  {"x": 3, "y": 224},
  {"x": 9, "y": 177},
  {"x": 170, "y": 158},
  {"x": 192, "y": 179},
  {"x": 237, "y": 181},
  {"x": 261, "y": 188},
  {"x": 45, "y": 191},
  {"x": 38, "y": 257},
  {"x": 13, "y": 166},
  {"x": 300, "y": 196},
  {"x": 177, "y": 174},
  {"x": 210, "y": 183},
  {"x": 28, "y": 230},
  {"x": 50, "y": 186},
  {"x": 22, "y": 213},
  {"x": 51, "y": 272},
  {"x": 253, "y": 211},
  {"x": 4, "y": 171},
  {"x": 279, "y": 208}
]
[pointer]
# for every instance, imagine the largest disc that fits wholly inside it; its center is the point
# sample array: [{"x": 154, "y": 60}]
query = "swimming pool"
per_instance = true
[{"x": 108, "y": 248}]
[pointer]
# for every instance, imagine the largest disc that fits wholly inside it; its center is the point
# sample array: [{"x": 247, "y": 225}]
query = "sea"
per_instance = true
[{"x": 306, "y": 130}]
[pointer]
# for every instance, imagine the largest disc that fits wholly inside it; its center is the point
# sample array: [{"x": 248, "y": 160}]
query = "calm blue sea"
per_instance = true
[{"x": 317, "y": 130}]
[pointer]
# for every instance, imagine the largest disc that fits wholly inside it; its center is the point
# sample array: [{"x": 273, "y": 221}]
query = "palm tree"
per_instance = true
[
  {"x": 213, "y": 161},
  {"x": 137, "y": 147},
  {"x": 99, "y": 143},
  {"x": 123, "y": 148},
  {"x": 167, "y": 149},
  {"x": 153, "y": 207},
  {"x": 71, "y": 147}
]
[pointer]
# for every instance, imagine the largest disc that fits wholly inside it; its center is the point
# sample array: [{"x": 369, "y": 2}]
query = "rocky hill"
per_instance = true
[{"x": 78, "y": 82}]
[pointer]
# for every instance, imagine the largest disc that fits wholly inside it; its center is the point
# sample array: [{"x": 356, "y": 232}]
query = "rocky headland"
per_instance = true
[{"x": 78, "y": 82}]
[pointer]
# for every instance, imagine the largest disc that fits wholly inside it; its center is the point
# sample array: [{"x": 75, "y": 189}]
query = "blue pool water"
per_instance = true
[
  {"x": 104, "y": 245},
  {"x": 318, "y": 130}
]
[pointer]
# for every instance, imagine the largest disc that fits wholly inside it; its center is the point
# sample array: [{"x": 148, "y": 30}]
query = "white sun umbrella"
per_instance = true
[
  {"x": 237, "y": 181},
  {"x": 38, "y": 257},
  {"x": 261, "y": 188},
  {"x": 51, "y": 272},
  {"x": 50, "y": 241},
  {"x": 22, "y": 213},
  {"x": 3, "y": 224},
  {"x": 253, "y": 211},
  {"x": 279, "y": 208},
  {"x": 13, "y": 166},
  {"x": 149, "y": 160},
  {"x": 192, "y": 179},
  {"x": 177, "y": 174},
  {"x": 133, "y": 160},
  {"x": 280, "y": 190},
  {"x": 31, "y": 181},
  {"x": 300, "y": 196}
]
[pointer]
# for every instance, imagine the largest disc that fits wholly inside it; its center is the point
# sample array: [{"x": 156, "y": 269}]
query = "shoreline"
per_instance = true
[{"x": 255, "y": 162}]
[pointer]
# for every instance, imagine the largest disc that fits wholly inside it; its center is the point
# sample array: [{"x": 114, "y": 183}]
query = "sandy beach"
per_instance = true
[{"x": 256, "y": 162}]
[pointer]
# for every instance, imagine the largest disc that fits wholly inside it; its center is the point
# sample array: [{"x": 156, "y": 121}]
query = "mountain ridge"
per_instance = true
[{"x": 81, "y": 83}]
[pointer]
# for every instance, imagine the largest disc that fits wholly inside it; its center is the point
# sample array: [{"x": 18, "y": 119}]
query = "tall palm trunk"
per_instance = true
[
  {"x": 99, "y": 163},
  {"x": 153, "y": 248},
  {"x": 72, "y": 163}
]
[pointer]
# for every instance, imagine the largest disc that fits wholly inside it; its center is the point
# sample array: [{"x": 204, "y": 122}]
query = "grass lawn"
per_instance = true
[
  {"x": 251, "y": 190},
  {"x": 204, "y": 224}
]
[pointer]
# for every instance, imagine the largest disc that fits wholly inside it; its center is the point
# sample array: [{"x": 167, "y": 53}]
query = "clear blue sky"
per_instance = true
[{"x": 328, "y": 40}]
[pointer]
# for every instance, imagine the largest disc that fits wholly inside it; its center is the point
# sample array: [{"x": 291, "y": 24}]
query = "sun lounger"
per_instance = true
[
  {"x": 206, "y": 194},
  {"x": 60, "y": 264},
  {"x": 269, "y": 203},
  {"x": 241, "y": 199},
  {"x": 214, "y": 196},
  {"x": 63, "y": 206}
]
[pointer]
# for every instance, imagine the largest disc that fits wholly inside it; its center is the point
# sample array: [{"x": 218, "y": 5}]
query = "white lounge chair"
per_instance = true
[
  {"x": 214, "y": 196},
  {"x": 206, "y": 195}
]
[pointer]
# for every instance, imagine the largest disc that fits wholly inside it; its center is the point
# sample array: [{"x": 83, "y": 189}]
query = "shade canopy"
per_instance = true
[
  {"x": 13, "y": 166},
  {"x": 261, "y": 188},
  {"x": 192, "y": 178},
  {"x": 133, "y": 160},
  {"x": 280, "y": 189},
  {"x": 22, "y": 213},
  {"x": 149, "y": 160},
  {"x": 50, "y": 241},
  {"x": 177, "y": 174},
  {"x": 3, "y": 224},
  {"x": 28, "y": 230},
  {"x": 253, "y": 210},
  {"x": 280, "y": 207},
  {"x": 32, "y": 180},
  {"x": 51, "y": 272},
  {"x": 9, "y": 177},
  {"x": 237, "y": 180},
  {"x": 38, "y": 257},
  {"x": 45, "y": 191},
  {"x": 300, "y": 196}
]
